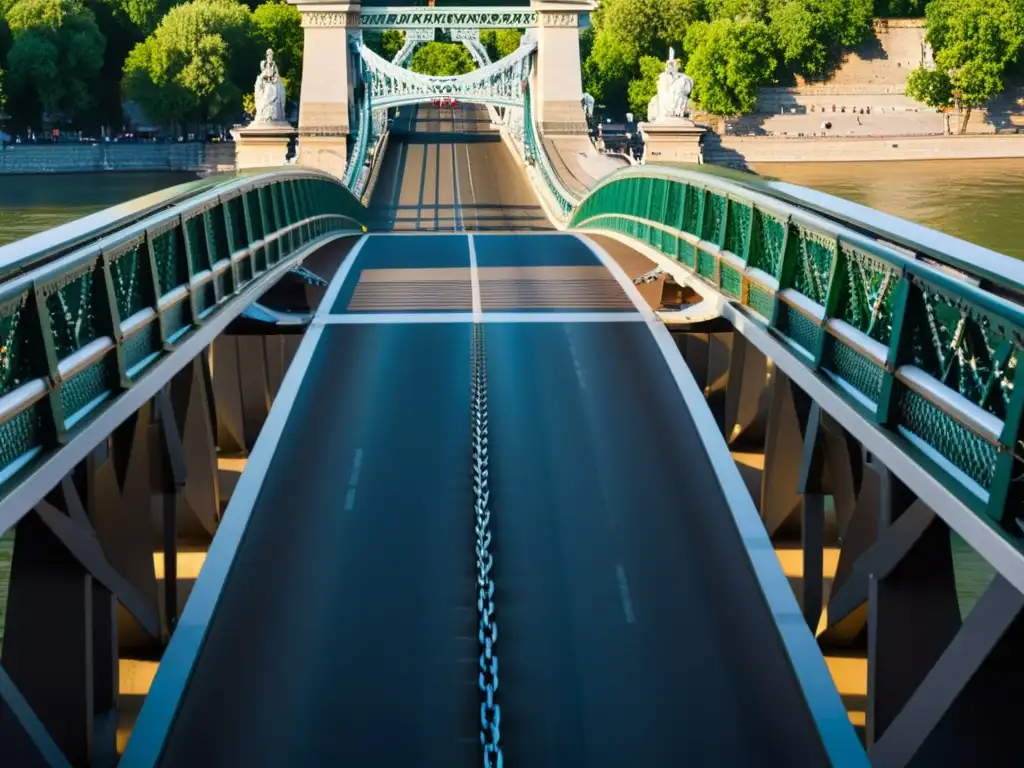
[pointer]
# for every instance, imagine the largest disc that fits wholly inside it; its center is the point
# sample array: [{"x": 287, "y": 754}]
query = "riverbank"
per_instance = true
[
  {"x": 18, "y": 159},
  {"x": 744, "y": 151}
]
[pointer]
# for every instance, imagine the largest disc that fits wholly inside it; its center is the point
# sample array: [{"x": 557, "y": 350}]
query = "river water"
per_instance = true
[
  {"x": 974, "y": 200},
  {"x": 30, "y": 204}
]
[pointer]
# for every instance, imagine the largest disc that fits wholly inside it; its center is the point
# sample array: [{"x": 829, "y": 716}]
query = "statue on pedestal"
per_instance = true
[
  {"x": 674, "y": 88},
  {"x": 269, "y": 93}
]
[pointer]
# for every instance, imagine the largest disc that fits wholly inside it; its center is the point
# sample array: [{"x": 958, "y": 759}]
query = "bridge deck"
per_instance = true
[
  {"x": 631, "y": 634},
  {"x": 447, "y": 169}
]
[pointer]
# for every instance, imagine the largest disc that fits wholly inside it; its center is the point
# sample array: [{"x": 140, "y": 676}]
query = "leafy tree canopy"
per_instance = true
[
  {"x": 55, "y": 58},
  {"x": 281, "y": 27},
  {"x": 196, "y": 65},
  {"x": 384, "y": 43},
  {"x": 500, "y": 42},
  {"x": 729, "y": 59},
  {"x": 442, "y": 59},
  {"x": 975, "y": 41}
]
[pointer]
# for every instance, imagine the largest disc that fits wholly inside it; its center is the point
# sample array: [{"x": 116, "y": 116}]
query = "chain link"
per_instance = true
[{"x": 490, "y": 712}]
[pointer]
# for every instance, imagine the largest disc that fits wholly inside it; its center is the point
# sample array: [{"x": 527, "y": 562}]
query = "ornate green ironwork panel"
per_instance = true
[
  {"x": 963, "y": 346},
  {"x": 71, "y": 304},
  {"x": 694, "y": 210},
  {"x": 769, "y": 235},
  {"x": 853, "y": 368},
  {"x": 738, "y": 225},
  {"x": 730, "y": 281},
  {"x": 951, "y": 346},
  {"x": 705, "y": 265},
  {"x": 714, "y": 218},
  {"x": 674, "y": 207},
  {"x": 760, "y": 300},
  {"x": 65, "y": 348},
  {"x": 814, "y": 263},
  {"x": 128, "y": 274},
  {"x": 800, "y": 328},
  {"x": 169, "y": 252},
  {"x": 866, "y": 293},
  {"x": 15, "y": 341},
  {"x": 971, "y": 454},
  {"x": 198, "y": 260},
  {"x": 216, "y": 234}
]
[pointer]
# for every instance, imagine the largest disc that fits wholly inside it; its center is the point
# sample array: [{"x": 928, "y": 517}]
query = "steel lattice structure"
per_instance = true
[{"x": 500, "y": 83}]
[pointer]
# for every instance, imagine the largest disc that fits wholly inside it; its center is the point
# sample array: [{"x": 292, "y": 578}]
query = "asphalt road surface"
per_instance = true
[
  {"x": 447, "y": 169},
  {"x": 346, "y": 633},
  {"x": 631, "y": 629}
]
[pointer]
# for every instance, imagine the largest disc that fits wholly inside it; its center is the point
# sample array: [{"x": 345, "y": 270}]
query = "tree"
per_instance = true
[
  {"x": 442, "y": 59},
  {"x": 196, "y": 65},
  {"x": 281, "y": 27},
  {"x": 500, "y": 42},
  {"x": 729, "y": 60},
  {"x": 974, "y": 43},
  {"x": 146, "y": 14},
  {"x": 55, "y": 60},
  {"x": 6, "y": 39},
  {"x": 645, "y": 87},
  {"x": 384, "y": 43},
  {"x": 899, "y": 9}
]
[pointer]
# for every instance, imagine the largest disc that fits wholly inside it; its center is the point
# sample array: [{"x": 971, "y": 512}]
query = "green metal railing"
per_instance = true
[
  {"x": 926, "y": 352},
  {"x": 77, "y": 331},
  {"x": 534, "y": 148},
  {"x": 359, "y": 140}
]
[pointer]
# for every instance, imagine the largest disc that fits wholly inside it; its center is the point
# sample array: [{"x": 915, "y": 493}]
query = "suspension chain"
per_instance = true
[{"x": 490, "y": 712}]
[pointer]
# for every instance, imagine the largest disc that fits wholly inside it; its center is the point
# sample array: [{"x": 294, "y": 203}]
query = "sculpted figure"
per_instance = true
[
  {"x": 674, "y": 90},
  {"x": 269, "y": 92},
  {"x": 588, "y": 105}
]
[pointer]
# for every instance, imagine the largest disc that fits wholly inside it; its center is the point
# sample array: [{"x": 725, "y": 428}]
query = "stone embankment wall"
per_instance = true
[
  {"x": 866, "y": 95},
  {"x": 743, "y": 151},
  {"x": 92, "y": 158}
]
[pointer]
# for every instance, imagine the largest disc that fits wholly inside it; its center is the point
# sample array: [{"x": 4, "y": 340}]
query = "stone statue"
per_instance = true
[
  {"x": 587, "y": 102},
  {"x": 674, "y": 90},
  {"x": 269, "y": 93}
]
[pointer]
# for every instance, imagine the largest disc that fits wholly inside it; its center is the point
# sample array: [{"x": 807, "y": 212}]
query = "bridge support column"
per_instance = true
[
  {"x": 558, "y": 81},
  {"x": 328, "y": 84}
]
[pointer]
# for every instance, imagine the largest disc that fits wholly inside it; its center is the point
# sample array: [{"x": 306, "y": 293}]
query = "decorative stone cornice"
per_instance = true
[
  {"x": 447, "y": 18},
  {"x": 347, "y": 19},
  {"x": 545, "y": 19}
]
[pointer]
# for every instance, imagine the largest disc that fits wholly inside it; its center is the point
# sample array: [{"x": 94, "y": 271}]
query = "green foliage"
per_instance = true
[
  {"x": 55, "y": 58},
  {"x": 442, "y": 59},
  {"x": 6, "y": 38},
  {"x": 931, "y": 87},
  {"x": 281, "y": 27},
  {"x": 500, "y": 42},
  {"x": 146, "y": 14},
  {"x": 3, "y": 96},
  {"x": 899, "y": 9},
  {"x": 729, "y": 60},
  {"x": 975, "y": 41},
  {"x": 196, "y": 65},
  {"x": 384, "y": 43},
  {"x": 645, "y": 87},
  {"x": 801, "y": 36}
]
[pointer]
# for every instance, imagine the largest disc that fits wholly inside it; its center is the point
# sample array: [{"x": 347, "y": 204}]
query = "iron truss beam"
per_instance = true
[{"x": 445, "y": 18}]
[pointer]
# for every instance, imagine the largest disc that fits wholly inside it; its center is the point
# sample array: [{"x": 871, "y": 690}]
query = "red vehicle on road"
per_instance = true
[{"x": 446, "y": 101}]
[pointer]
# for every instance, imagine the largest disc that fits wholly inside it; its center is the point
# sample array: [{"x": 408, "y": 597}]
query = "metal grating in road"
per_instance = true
[
  {"x": 442, "y": 288},
  {"x": 503, "y": 288}
]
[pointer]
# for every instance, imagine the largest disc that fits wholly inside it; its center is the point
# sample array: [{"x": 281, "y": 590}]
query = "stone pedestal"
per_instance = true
[
  {"x": 557, "y": 81},
  {"x": 673, "y": 141},
  {"x": 262, "y": 145},
  {"x": 329, "y": 80}
]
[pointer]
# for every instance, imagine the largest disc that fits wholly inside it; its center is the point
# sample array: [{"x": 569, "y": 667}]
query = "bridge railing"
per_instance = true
[
  {"x": 926, "y": 351},
  {"x": 536, "y": 154},
  {"x": 79, "y": 330}
]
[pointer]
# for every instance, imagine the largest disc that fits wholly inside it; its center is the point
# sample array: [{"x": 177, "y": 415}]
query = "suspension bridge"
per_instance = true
[{"x": 480, "y": 449}]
